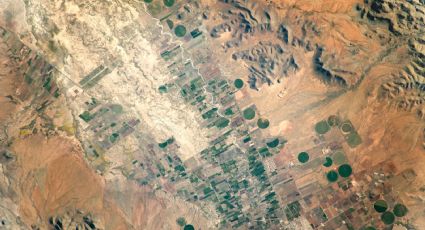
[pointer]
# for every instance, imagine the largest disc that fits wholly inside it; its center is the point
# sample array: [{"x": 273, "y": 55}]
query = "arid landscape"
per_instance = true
[{"x": 200, "y": 114}]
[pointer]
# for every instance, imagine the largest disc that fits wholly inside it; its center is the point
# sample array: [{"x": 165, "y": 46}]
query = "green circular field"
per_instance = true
[
  {"x": 303, "y": 157},
  {"x": 249, "y": 114},
  {"x": 238, "y": 83},
  {"x": 333, "y": 120},
  {"x": 380, "y": 206},
  {"x": 169, "y": 3},
  {"x": 345, "y": 170},
  {"x": 263, "y": 123},
  {"x": 388, "y": 218},
  {"x": 180, "y": 31},
  {"x": 400, "y": 210},
  {"x": 188, "y": 227},
  {"x": 322, "y": 127},
  {"x": 274, "y": 143},
  {"x": 148, "y": 1},
  {"x": 346, "y": 127},
  {"x": 328, "y": 162},
  {"x": 353, "y": 139},
  {"x": 332, "y": 176}
]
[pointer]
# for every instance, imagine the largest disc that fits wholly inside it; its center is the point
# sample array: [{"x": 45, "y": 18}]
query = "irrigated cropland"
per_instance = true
[{"x": 212, "y": 114}]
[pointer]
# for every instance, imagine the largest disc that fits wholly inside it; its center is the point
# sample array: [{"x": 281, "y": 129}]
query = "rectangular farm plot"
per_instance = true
[{"x": 94, "y": 76}]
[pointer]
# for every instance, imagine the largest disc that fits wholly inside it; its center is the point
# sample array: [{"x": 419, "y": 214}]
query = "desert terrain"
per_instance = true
[{"x": 172, "y": 114}]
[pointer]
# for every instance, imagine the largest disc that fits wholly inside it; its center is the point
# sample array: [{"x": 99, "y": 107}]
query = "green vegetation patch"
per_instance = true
[
  {"x": 164, "y": 144},
  {"x": 170, "y": 140},
  {"x": 210, "y": 113},
  {"x": 332, "y": 176},
  {"x": 114, "y": 137},
  {"x": 333, "y": 120},
  {"x": 346, "y": 127},
  {"x": 28, "y": 79},
  {"x": 238, "y": 83},
  {"x": 148, "y": 1},
  {"x": 257, "y": 169},
  {"x": 303, "y": 157},
  {"x": 339, "y": 157},
  {"x": 195, "y": 33},
  {"x": 181, "y": 221},
  {"x": 380, "y": 206},
  {"x": 249, "y": 113},
  {"x": 354, "y": 139},
  {"x": 246, "y": 139},
  {"x": 322, "y": 127},
  {"x": 263, "y": 123},
  {"x": 328, "y": 162},
  {"x": 189, "y": 227},
  {"x": 207, "y": 190},
  {"x": 180, "y": 31},
  {"x": 56, "y": 94},
  {"x": 345, "y": 170},
  {"x": 162, "y": 89},
  {"x": 274, "y": 143},
  {"x": 179, "y": 168},
  {"x": 400, "y": 210},
  {"x": 228, "y": 112},
  {"x": 369, "y": 228},
  {"x": 293, "y": 210},
  {"x": 170, "y": 23},
  {"x": 160, "y": 168},
  {"x": 169, "y": 3},
  {"x": 264, "y": 152},
  {"x": 222, "y": 122},
  {"x": 48, "y": 84},
  {"x": 388, "y": 218},
  {"x": 86, "y": 116}
]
